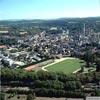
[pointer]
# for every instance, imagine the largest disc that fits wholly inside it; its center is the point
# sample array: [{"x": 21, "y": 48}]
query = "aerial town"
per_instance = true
[
  {"x": 50, "y": 58},
  {"x": 20, "y": 47},
  {"x": 49, "y": 49}
]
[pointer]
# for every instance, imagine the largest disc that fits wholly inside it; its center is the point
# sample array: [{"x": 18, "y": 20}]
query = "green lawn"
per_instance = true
[{"x": 66, "y": 66}]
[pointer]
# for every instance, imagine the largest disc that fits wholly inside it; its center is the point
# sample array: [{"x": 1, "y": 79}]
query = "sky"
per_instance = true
[{"x": 48, "y": 9}]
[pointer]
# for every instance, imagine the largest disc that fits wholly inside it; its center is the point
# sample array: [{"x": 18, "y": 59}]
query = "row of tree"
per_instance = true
[
  {"x": 47, "y": 83},
  {"x": 8, "y": 74},
  {"x": 43, "y": 92},
  {"x": 42, "y": 83}
]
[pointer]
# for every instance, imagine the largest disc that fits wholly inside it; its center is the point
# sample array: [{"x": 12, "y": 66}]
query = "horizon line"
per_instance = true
[{"x": 46, "y": 18}]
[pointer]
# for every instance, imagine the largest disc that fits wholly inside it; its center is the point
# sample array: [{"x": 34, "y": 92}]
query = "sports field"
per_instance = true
[{"x": 66, "y": 66}]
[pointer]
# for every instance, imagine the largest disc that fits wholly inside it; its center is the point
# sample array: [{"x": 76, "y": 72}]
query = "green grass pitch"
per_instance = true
[{"x": 66, "y": 66}]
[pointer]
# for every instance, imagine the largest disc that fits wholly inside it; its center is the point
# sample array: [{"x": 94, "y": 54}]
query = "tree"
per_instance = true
[
  {"x": 98, "y": 65},
  {"x": 97, "y": 92},
  {"x": 2, "y": 96},
  {"x": 89, "y": 58},
  {"x": 82, "y": 68},
  {"x": 34, "y": 96},
  {"x": 31, "y": 97}
]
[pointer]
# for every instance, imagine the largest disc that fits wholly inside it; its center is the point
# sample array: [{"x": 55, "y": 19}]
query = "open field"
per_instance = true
[{"x": 66, "y": 65}]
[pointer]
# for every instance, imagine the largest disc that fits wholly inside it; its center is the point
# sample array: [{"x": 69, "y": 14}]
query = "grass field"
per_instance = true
[{"x": 66, "y": 66}]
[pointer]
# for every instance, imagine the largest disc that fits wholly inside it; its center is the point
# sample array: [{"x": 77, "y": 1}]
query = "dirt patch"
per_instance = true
[
  {"x": 39, "y": 65},
  {"x": 31, "y": 67}
]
